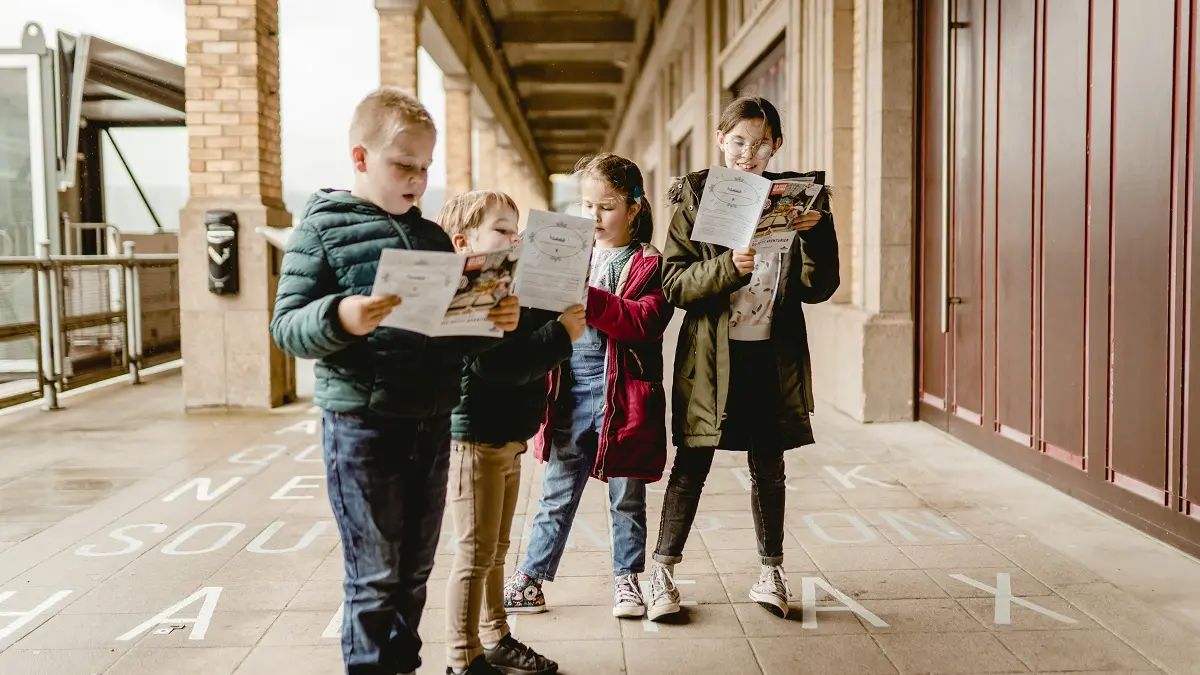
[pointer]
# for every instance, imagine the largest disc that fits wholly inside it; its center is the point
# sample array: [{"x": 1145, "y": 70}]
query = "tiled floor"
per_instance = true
[{"x": 137, "y": 540}]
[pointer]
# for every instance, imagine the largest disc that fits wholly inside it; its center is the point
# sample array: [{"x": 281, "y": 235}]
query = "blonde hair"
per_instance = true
[
  {"x": 383, "y": 114},
  {"x": 465, "y": 212}
]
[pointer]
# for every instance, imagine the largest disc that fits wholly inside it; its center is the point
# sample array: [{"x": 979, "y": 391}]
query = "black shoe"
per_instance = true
[
  {"x": 479, "y": 666},
  {"x": 513, "y": 658}
]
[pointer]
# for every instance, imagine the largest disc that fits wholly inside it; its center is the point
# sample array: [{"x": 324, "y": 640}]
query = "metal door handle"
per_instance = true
[
  {"x": 947, "y": 131},
  {"x": 947, "y": 156}
]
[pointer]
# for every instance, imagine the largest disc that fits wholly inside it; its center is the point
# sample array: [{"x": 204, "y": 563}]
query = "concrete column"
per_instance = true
[
  {"x": 457, "y": 135},
  {"x": 520, "y": 193},
  {"x": 504, "y": 164},
  {"x": 839, "y": 135},
  {"x": 399, "y": 31},
  {"x": 890, "y": 180},
  {"x": 863, "y": 361},
  {"x": 486, "y": 130},
  {"x": 232, "y": 89}
]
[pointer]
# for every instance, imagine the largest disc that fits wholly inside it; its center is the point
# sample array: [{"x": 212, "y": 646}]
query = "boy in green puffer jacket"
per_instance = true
[
  {"x": 503, "y": 400},
  {"x": 387, "y": 394}
]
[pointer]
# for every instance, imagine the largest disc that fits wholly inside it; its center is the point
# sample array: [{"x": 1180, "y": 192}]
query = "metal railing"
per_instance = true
[{"x": 71, "y": 320}]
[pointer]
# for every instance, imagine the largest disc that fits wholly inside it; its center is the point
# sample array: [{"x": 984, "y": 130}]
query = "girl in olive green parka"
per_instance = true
[{"x": 742, "y": 372}]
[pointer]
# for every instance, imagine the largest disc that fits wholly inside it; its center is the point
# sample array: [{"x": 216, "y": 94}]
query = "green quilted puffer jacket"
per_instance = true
[{"x": 332, "y": 254}]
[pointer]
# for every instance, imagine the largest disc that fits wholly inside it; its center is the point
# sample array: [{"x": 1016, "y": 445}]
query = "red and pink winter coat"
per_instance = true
[{"x": 633, "y": 443}]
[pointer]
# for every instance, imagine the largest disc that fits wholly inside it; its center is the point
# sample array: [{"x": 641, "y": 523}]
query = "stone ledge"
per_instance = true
[{"x": 862, "y": 363}]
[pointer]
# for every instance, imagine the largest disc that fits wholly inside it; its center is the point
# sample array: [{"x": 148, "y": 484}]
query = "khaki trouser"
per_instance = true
[{"x": 484, "y": 482}]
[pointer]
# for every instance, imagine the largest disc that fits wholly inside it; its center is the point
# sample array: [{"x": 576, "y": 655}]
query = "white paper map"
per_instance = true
[
  {"x": 738, "y": 207},
  {"x": 730, "y": 207},
  {"x": 556, "y": 251},
  {"x": 444, "y": 294}
]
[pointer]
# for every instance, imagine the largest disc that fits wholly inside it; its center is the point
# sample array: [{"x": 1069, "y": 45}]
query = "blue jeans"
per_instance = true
[
  {"x": 572, "y": 456},
  {"x": 387, "y": 486}
]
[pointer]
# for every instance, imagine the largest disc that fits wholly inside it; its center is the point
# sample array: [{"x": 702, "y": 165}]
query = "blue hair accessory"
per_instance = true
[{"x": 637, "y": 192}]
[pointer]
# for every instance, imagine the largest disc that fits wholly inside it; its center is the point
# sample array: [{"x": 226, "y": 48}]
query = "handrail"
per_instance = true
[
  {"x": 91, "y": 260},
  {"x": 69, "y": 305}
]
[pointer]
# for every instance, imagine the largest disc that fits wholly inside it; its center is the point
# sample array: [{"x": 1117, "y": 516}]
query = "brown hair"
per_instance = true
[
  {"x": 625, "y": 178},
  {"x": 751, "y": 108},
  {"x": 465, "y": 212},
  {"x": 383, "y": 114}
]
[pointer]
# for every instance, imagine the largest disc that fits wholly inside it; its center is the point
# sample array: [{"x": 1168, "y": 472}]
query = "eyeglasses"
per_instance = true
[{"x": 760, "y": 150}]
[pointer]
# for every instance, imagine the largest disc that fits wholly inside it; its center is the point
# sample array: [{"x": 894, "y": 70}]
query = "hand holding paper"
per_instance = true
[
  {"x": 506, "y": 314},
  {"x": 807, "y": 220},
  {"x": 743, "y": 260},
  {"x": 361, "y": 314}
]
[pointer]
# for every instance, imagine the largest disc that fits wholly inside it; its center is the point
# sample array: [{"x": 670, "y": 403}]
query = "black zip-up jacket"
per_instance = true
[{"x": 504, "y": 389}]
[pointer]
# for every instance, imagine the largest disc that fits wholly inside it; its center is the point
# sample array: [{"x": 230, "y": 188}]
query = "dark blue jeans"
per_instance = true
[{"x": 387, "y": 486}]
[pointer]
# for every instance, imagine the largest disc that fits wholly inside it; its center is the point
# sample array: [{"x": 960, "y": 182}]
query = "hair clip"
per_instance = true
[{"x": 637, "y": 192}]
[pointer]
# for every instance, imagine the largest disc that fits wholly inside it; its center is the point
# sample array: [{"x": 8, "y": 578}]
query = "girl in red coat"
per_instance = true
[{"x": 606, "y": 415}]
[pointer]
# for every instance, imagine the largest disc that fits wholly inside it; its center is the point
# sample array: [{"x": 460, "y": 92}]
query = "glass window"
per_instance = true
[
  {"x": 17, "y": 229},
  {"x": 767, "y": 79},
  {"x": 683, "y": 156},
  {"x": 158, "y": 161}
]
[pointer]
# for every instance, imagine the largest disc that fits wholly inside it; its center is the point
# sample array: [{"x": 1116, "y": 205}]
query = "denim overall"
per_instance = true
[{"x": 580, "y": 420}]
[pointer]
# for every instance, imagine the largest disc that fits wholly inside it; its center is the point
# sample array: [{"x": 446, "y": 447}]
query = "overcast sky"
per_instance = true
[{"x": 328, "y": 61}]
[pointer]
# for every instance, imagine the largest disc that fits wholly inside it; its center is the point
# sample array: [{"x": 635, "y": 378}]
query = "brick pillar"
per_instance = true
[
  {"x": 399, "y": 30},
  {"x": 232, "y": 90},
  {"x": 457, "y": 135},
  {"x": 488, "y": 151}
]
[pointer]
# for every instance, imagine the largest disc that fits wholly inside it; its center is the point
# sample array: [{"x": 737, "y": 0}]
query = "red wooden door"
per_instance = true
[{"x": 1059, "y": 139}]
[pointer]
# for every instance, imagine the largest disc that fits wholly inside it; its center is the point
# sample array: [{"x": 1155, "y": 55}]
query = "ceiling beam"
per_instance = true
[
  {"x": 561, "y": 159},
  {"x": 573, "y": 123},
  {"x": 569, "y": 72},
  {"x": 575, "y": 151},
  {"x": 569, "y": 101},
  {"x": 544, "y": 137},
  {"x": 565, "y": 27},
  {"x": 497, "y": 90}
]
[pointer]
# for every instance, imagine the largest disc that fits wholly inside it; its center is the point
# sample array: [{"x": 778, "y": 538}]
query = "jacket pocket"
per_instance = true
[
  {"x": 685, "y": 349},
  {"x": 641, "y": 447},
  {"x": 645, "y": 413}
]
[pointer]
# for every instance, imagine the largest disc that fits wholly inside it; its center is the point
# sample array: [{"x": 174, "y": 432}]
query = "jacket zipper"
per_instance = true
[{"x": 407, "y": 241}]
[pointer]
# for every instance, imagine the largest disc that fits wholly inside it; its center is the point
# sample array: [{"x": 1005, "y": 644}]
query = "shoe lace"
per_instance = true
[
  {"x": 661, "y": 581},
  {"x": 517, "y": 646},
  {"x": 627, "y": 589},
  {"x": 774, "y": 576}
]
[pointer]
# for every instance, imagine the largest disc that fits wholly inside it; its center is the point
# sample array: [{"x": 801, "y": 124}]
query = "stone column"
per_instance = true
[
  {"x": 862, "y": 350},
  {"x": 504, "y": 165},
  {"x": 399, "y": 37},
  {"x": 488, "y": 148},
  {"x": 457, "y": 135},
  {"x": 890, "y": 180},
  {"x": 232, "y": 90},
  {"x": 523, "y": 195}
]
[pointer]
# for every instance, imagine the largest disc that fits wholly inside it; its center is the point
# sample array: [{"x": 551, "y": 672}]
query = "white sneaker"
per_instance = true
[
  {"x": 627, "y": 598},
  {"x": 772, "y": 590},
  {"x": 664, "y": 596}
]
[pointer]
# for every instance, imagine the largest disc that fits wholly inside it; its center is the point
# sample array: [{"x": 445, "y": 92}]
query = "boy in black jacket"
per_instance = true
[{"x": 503, "y": 400}]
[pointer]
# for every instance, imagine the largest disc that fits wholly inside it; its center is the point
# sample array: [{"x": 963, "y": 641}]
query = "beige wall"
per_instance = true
[{"x": 849, "y": 111}]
